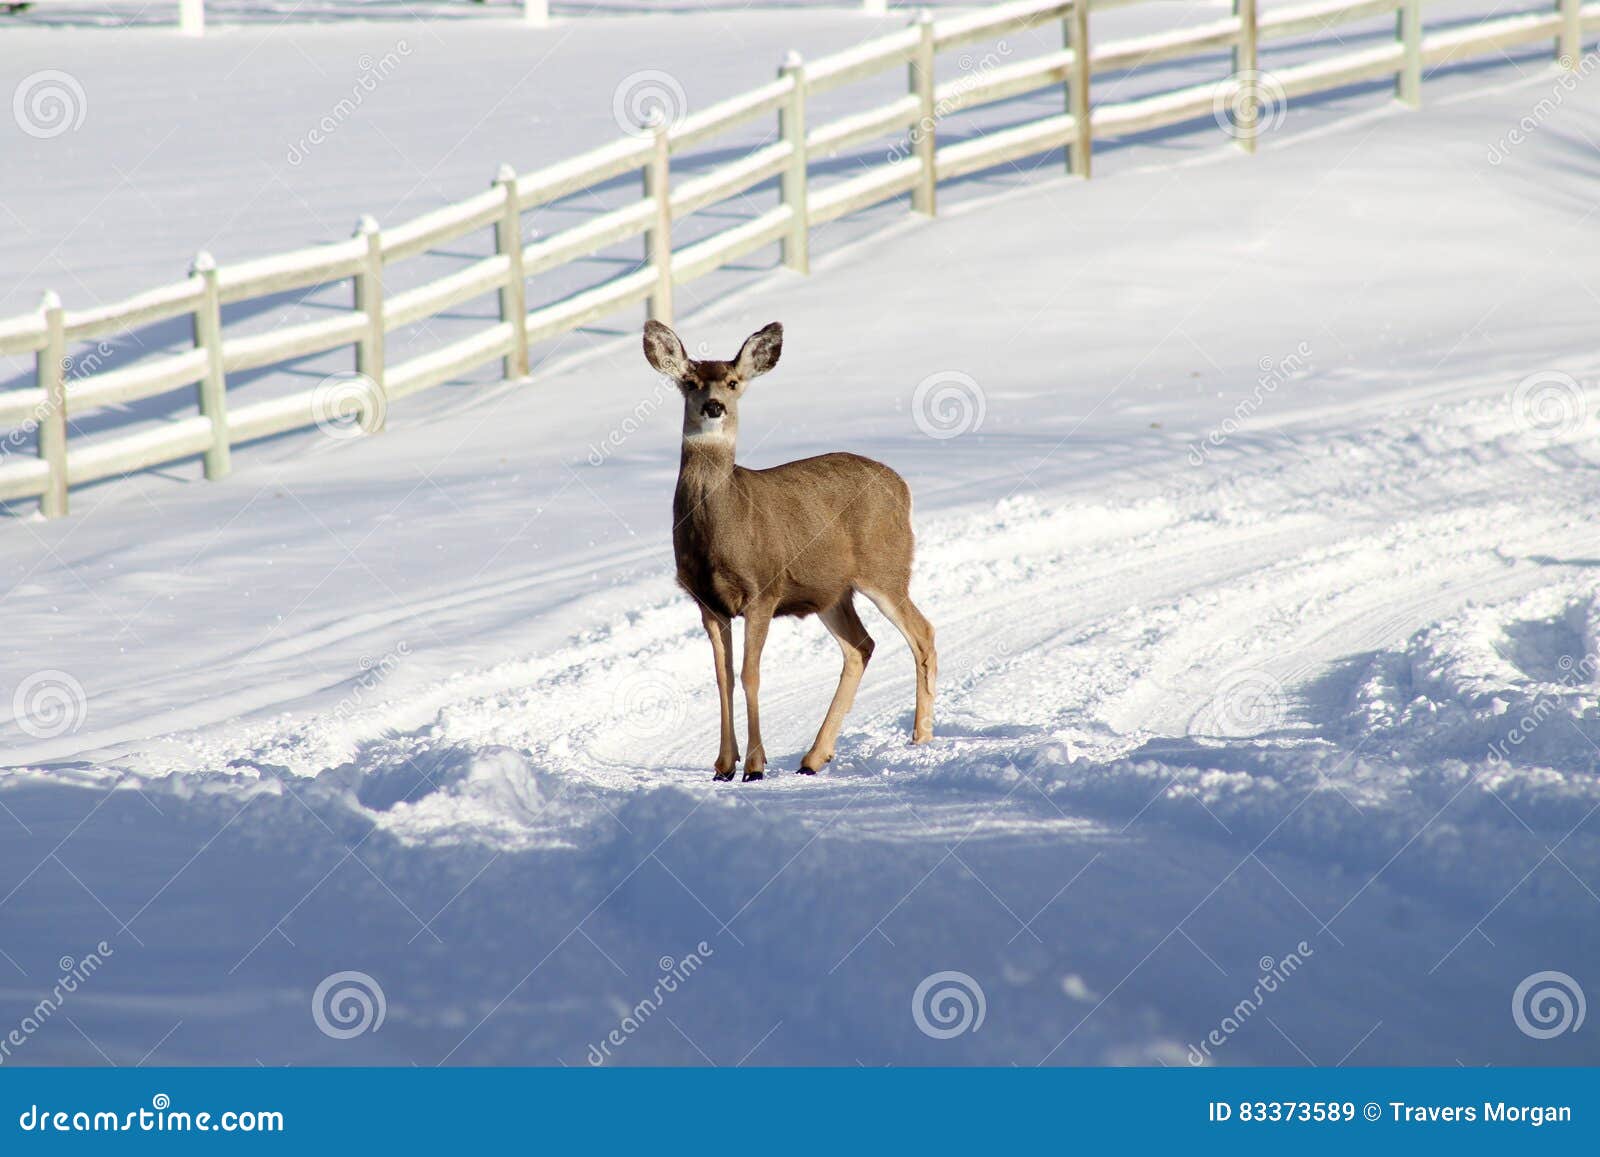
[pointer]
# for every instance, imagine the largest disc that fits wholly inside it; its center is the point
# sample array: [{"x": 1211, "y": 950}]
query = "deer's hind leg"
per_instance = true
[
  {"x": 914, "y": 625},
  {"x": 845, "y": 626}
]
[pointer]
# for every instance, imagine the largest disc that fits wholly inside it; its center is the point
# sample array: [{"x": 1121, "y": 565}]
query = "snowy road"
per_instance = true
[{"x": 1266, "y": 593}]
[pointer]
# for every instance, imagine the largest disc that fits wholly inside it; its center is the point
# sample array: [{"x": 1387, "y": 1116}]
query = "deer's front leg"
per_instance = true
[
  {"x": 721, "y": 632},
  {"x": 756, "y": 621}
]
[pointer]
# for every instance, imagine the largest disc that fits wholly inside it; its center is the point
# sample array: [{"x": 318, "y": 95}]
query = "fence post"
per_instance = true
[
  {"x": 924, "y": 142},
  {"x": 1570, "y": 46},
  {"x": 658, "y": 238},
  {"x": 1082, "y": 148},
  {"x": 1408, "y": 30},
  {"x": 536, "y": 12},
  {"x": 213, "y": 386},
  {"x": 1066, "y": 83},
  {"x": 368, "y": 299},
  {"x": 513, "y": 295},
  {"x": 1244, "y": 72},
  {"x": 796, "y": 243},
  {"x": 50, "y": 370},
  {"x": 192, "y": 17}
]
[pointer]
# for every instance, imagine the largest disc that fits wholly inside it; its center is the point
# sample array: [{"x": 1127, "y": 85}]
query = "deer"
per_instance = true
[{"x": 799, "y": 539}]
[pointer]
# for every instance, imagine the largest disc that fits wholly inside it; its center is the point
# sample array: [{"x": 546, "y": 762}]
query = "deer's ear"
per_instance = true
[
  {"x": 760, "y": 352},
  {"x": 664, "y": 351}
]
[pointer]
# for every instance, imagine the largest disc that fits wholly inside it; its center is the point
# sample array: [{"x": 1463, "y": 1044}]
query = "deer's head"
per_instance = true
[{"x": 711, "y": 389}]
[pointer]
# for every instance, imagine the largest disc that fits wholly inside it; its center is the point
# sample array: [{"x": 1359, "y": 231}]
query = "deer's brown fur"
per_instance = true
[{"x": 798, "y": 539}]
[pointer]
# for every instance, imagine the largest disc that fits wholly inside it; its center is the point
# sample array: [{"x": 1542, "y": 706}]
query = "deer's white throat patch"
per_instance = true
[{"x": 709, "y": 430}]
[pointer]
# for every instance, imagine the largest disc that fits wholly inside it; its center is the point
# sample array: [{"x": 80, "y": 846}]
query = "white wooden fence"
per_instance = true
[{"x": 916, "y": 169}]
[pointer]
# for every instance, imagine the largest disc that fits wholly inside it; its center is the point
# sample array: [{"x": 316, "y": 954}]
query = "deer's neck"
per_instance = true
[{"x": 705, "y": 472}]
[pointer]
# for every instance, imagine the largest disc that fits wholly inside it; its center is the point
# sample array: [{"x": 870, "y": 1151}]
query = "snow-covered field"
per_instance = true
[{"x": 1257, "y": 537}]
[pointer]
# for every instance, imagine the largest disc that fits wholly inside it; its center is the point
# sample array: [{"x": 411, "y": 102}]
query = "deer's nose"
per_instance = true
[{"x": 713, "y": 409}]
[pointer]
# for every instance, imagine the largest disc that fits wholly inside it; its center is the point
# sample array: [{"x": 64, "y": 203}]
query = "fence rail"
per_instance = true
[{"x": 916, "y": 166}]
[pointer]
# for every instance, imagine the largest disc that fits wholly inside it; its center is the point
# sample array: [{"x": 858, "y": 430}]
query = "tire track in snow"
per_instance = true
[{"x": 1102, "y": 625}]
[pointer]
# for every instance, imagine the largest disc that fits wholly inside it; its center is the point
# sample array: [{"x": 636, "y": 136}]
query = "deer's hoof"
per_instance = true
[
  {"x": 813, "y": 761},
  {"x": 749, "y": 775},
  {"x": 722, "y": 776}
]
